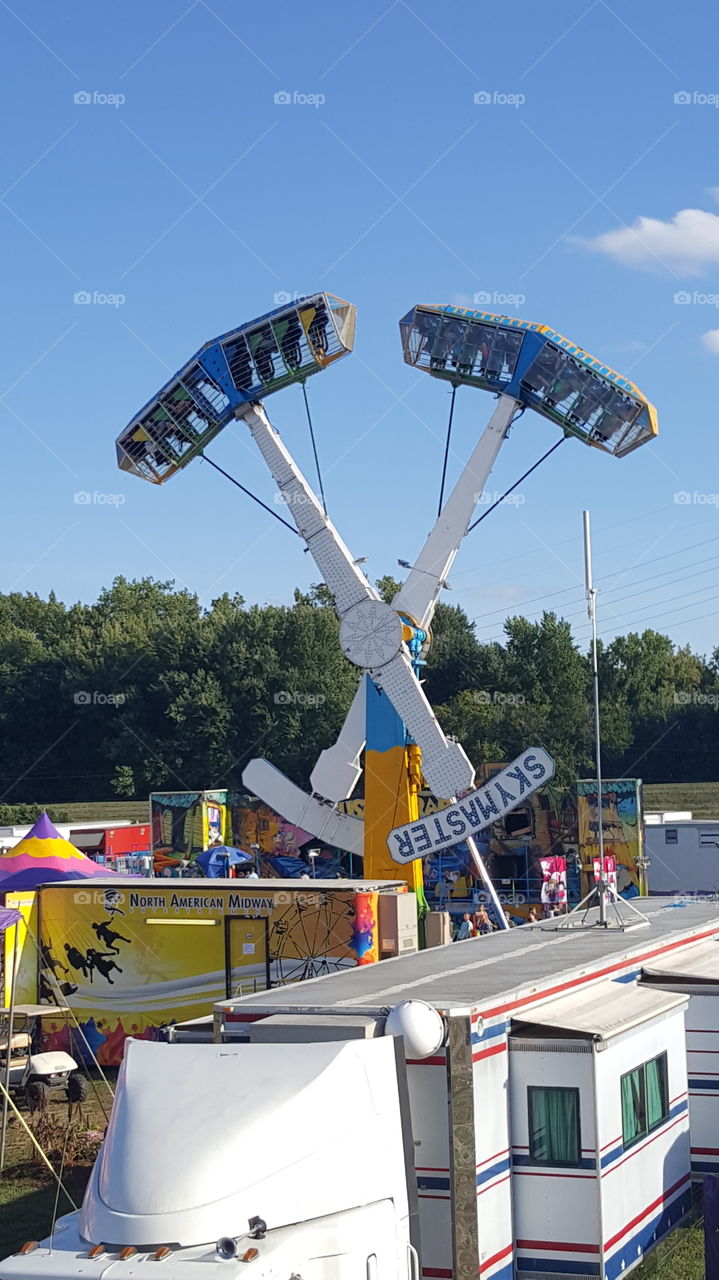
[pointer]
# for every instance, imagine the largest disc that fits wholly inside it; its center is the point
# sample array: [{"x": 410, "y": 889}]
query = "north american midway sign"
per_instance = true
[{"x": 475, "y": 811}]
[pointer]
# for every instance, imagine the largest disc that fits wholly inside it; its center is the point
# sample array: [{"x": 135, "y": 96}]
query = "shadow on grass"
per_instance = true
[
  {"x": 681, "y": 1255},
  {"x": 26, "y": 1208}
]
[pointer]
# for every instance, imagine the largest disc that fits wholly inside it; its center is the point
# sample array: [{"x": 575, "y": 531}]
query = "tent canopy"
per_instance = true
[
  {"x": 216, "y": 860},
  {"x": 44, "y": 856}
]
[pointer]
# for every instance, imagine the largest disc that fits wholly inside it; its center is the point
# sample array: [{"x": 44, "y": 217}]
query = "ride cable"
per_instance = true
[
  {"x": 446, "y": 451},
  {"x": 514, "y": 486},
  {"x": 314, "y": 445},
  {"x": 254, "y": 497}
]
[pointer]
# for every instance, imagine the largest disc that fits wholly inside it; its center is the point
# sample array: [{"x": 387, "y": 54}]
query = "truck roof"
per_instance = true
[{"x": 493, "y": 974}]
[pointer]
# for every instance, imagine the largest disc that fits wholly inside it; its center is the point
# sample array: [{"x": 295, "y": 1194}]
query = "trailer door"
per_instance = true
[{"x": 247, "y": 966}]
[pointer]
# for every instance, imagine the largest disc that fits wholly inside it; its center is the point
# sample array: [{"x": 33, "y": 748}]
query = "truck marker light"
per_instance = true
[
  {"x": 162, "y": 1252},
  {"x": 28, "y": 1246},
  {"x": 127, "y": 1252},
  {"x": 250, "y": 1254},
  {"x": 96, "y": 1251}
]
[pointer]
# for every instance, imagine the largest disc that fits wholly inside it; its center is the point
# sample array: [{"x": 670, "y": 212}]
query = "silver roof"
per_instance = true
[
  {"x": 605, "y": 1010},
  {"x": 699, "y": 963},
  {"x": 484, "y": 972}
]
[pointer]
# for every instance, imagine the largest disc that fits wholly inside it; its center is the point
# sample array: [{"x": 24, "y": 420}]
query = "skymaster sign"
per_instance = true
[{"x": 474, "y": 811}]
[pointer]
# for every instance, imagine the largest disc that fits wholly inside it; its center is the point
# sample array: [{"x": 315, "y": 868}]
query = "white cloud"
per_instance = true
[
  {"x": 711, "y": 341},
  {"x": 688, "y": 243},
  {"x": 714, "y": 191}
]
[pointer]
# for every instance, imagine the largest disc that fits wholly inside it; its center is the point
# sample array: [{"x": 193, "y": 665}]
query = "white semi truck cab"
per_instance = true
[{"x": 275, "y": 1160}]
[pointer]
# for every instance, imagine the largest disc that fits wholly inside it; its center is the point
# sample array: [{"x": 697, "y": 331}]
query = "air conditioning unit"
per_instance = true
[{"x": 397, "y": 924}]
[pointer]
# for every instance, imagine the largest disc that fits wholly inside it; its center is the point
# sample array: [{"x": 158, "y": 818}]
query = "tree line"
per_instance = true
[{"x": 145, "y": 689}]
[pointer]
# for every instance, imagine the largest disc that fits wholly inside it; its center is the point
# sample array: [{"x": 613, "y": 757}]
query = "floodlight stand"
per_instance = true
[
  {"x": 592, "y": 611},
  {"x": 601, "y": 894}
]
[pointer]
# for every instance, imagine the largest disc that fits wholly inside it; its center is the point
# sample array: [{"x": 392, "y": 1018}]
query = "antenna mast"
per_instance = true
[{"x": 592, "y": 611}]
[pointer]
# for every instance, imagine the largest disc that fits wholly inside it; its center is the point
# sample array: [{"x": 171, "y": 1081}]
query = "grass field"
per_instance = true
[
  {"x": 701, "y": 798},
  {"x": 27, "y": 1188},
  {"x": 681, "y": 1257},
  {"x": 106, "y": 810}
]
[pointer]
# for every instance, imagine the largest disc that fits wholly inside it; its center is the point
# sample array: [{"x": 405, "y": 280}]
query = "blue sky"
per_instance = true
[{"x": 591, "y": 203}]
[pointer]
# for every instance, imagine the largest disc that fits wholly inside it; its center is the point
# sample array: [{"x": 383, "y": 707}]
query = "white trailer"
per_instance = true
[
  {"x": 531, "y": 1121},
  {"x": 694, "y": 972},
  {"x": 683, "y": 854}
]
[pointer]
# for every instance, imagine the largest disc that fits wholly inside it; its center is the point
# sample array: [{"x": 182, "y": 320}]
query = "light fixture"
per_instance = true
[
  {"x": 195, "y": 922},
  {"x": 360, "y": 560},
  {"x": 404, "y": 564}
]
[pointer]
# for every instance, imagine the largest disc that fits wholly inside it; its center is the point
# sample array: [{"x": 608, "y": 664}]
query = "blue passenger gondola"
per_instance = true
[
  {"x": 534, "y": 365},
  {"x": 284, "y": 346}
]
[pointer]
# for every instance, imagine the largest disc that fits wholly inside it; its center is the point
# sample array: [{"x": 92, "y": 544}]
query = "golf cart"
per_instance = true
[{"x": 44, "y": 1071}]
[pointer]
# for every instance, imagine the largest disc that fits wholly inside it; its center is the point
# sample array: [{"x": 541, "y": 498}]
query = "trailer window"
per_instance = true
[
  {"x": 645, "y": 1099},
  {"x": 553, "y": 1126}
]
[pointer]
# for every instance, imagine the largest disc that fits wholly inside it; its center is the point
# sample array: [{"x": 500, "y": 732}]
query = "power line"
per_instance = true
[
  {"x": 632, "y": 595},
  {"x": 611, "y": 600},
  {"x": 685, "y": 621},
  {"x": 523, "y": 555},
  {"x": 603, "y": 578},
  {"x": 582, "y": 633},
  {"x": 679, "y": 609}
]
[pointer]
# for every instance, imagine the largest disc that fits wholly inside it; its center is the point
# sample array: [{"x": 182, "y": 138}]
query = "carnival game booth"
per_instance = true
[
  {"x": 551, "y": 1124},
  {"x": 693, "y": 973},
  {"x": 134, "y": 956}
]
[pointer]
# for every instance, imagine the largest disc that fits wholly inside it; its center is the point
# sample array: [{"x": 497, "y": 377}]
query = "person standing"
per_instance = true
[
  {"x": 482, "y": 922},
  {"x": 466, "y": 929}
]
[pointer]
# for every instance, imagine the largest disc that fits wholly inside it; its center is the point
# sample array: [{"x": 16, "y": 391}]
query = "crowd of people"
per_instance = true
[{"x": 474, "y": 924}]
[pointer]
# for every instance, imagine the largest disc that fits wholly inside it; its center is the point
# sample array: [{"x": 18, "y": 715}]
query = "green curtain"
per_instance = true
[
  {"x": 657, "y": 1106},
  {"x": 633, "y": 1105},
  {"x": 554, "y": 1126}
]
